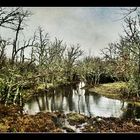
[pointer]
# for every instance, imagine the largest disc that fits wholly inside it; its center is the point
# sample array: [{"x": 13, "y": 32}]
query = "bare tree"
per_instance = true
[
  {"x": 21, "y": 17},
  {"x": 73, "y": 53},
  {"x": 3, "y": 45},
  {"x": 129, "y": 49},
  {"x": 133, "y": 38},
  {"x": 40, "y": 49},
  {"x": 126, "y": 12},
  {"x": 8, "y": 17},
  {"x": 110, "y": 53},
  {"x": 56, "y": 51}
]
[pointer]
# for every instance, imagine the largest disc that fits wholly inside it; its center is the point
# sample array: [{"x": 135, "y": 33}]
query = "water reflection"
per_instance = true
[
  {"x": 69, "y": 99},
  {"x": 131, "y": 111}
]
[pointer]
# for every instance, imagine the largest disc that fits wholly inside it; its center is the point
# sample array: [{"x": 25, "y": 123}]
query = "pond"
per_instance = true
[{"x": 76, "y": 99}]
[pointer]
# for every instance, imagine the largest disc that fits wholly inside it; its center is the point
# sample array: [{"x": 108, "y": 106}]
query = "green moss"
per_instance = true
[
  {"x": 135, "y": 103},
  {"x": 109, "y": 89},
  {"x": 75, "y": 118},
  {"x": 41, "y": 87},
  {"x": 50, "y": 85},
  {"x": 112, "y": 90},
  {"x": 116, "y": 85},
  {"x": 45, "y": 86},
  {"x": 3, "y": 127}
]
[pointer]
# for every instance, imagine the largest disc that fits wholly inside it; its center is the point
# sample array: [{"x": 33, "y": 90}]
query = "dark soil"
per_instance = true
[
  {"x": 11, "y": 120},
  {"x": 101, "y": 124}
]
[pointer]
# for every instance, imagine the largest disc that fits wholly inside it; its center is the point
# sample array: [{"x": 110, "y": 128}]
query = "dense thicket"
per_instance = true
[{"x": 54, "y": 63}]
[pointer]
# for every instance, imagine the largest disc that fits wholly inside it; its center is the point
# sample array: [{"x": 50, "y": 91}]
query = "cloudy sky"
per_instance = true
[{"x": 92, "y": 27}]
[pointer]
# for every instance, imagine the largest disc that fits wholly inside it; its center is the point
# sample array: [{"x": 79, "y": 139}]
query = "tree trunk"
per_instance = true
[
  {"x": 139, "y": 75},
  {"x": 15, "y": 97},
  {"x": 8, "y": 94}
]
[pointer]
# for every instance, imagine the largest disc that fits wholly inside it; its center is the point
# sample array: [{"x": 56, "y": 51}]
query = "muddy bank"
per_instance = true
[
  {"x": 115, "y": 90},
  {"x": 12, "y": 120}
]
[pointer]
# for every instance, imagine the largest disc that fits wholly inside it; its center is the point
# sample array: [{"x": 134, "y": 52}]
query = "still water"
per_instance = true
[{"x": 75, "y": 99}]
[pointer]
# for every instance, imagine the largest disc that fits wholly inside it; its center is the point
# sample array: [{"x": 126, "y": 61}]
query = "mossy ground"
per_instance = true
[
  {"x": 12, "y": 121},
  {"x": 113, "y": 91},
  {"x": 75, "y": 118}
]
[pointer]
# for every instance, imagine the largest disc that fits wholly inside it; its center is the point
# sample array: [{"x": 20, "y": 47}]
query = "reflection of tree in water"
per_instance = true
[
  {"x": 87, "y": 101},
  {"x": 79, "y": 103},
  {"x": 42, "y": 104},
  {"x": 76, "y": 91},
  {"x": 60, "y": 93},
  {"x": 122, "y": 107},
  {"x": 62, "y": 96},
  {"x": 132, "y": 111},
  {"x": 47, "y": 103},
  {"x": 49, "y": 97},
  {"x": 82, "y": 104},
  {"x": 53, "y": 101},
  {"x": 43, "y": 107},
  {"x": 69, "y": 99},
  {"x": 39, "y": 105},
  {"x": 30, "y": 103},
  {"x": 137, "y": 113},
  {"x": 96, "y": 98},
  {"x": 55, "y": 97}
]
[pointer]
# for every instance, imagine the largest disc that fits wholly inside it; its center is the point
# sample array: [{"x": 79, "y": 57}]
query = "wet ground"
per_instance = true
[{"x": 11, "y": 120}]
